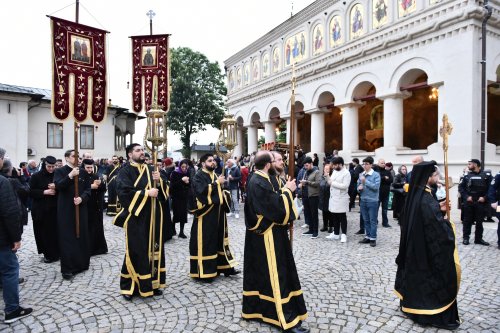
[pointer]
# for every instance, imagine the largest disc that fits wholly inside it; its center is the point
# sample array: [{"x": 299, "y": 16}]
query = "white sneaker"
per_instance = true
[
  {"x": 335, "y": 236},
  {"x": 229, "y": 214},
  {"x": 237, "y": 216},
  {"x": 343, "y": 238},
  {"x": 330, "y": 236},
  {"x": 304, "y": 226}
]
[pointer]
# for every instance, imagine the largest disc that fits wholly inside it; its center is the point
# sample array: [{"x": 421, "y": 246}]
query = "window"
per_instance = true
[
  {"x": 54, "y": 135},
  {"x": 86, "y": 137}
]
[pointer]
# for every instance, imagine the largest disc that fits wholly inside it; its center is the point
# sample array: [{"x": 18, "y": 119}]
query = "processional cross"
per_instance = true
[{"x": 444, "y": 132}]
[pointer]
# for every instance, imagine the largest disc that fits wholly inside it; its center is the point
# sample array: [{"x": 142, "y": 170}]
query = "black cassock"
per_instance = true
[
  {"x": 428, "y": 275},
  {"x": 143, "y": 230},
  {"x": 97, "y": 239},
  {"x": 75, "y": 252},
  {"x": 271, "y": 286},
  {"x": 209, "y": 243},
  {"x": 44, "y": 215},
  {"x": 113, "y": 201},
  {"x": 179, "y": 192},
  {"x": 168, "y": 226}
]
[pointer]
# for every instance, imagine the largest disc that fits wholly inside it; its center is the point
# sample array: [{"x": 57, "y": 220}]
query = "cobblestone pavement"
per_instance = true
[{"x": 347, "y": 287}]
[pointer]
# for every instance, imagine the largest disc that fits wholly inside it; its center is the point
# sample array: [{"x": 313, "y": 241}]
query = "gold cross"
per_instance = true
[{"x": 445, "y": 131}]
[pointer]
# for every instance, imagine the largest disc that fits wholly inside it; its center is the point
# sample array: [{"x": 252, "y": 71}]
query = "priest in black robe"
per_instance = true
[
  {"x": 113, "y": 201},
  {"x": 209, "y": 250},
  {"x": 44, "y": 210},
  {"x": 168, "y": 226},
  {"x": 271, "y": 286},
  {"x": 97, "y": 239},
  {"x": 75, "y": 252},
  {"x": 143, "y": 270},
  {"x": 428, "y": 274}
]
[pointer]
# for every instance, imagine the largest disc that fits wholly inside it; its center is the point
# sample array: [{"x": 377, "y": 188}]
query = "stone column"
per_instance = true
[
  {"x": 393, "y": 120},
  {"x": 238, "y": 150},
  {"x": 318, "y": 131},
  {"x": 350, "y": 127},
  {"x": 270, "y": 131},
  {"x": 252, "y": 139},
  {"x": 288, "y": 125}
]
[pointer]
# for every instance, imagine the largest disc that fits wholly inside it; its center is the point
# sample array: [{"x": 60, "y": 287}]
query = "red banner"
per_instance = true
[
  {"x": 150, "y": 81},
  {"x": 79, "y": 71}
]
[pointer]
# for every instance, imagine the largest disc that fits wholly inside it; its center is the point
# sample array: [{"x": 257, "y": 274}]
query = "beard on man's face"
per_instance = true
[
  {"x": 209, "y": 167},
  {"x": 272, "y": 171},
  {"x": 140, "y": 159}
]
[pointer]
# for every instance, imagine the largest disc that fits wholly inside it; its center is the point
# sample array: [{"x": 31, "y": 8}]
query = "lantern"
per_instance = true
[
  {"x": 227, "y": 136},
  {"x": 156, "y": 130}
]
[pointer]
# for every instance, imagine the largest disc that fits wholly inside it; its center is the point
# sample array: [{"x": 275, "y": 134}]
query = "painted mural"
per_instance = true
[
  {"x": 379, "y": 10},
  {"x": 238, "y": 78},
  {"x": 295, "y": 48},
  {"x": 246, "y": 74},
  {"x": 231, "y": 80},
  {"x": 406, "y": 7},
  {"x": 318, "y": 43},
  {"x": 266, "y": 65},
  {"x": 357, "y": 21},
  {"x": 336, "y": 33},
  {"x": 276, "y": 60},
  {"x": 255, "y": 70}
]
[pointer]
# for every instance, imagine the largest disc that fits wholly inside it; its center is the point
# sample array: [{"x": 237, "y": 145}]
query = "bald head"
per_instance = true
[
  {"x": 417, "y": 159},
  {"x": 263, "y": 160}
]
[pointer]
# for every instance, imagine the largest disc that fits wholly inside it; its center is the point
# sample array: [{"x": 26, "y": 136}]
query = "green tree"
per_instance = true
[{"x": 198, "y": 92}]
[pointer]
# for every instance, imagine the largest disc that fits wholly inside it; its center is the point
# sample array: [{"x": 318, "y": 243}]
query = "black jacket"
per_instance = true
[{"x": 10, "y": 226}]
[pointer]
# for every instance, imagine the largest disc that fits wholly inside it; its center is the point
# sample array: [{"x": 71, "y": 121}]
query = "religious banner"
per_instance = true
[
  {"x": 79, "y": 71},
  {"x": 150, "y": 81}
]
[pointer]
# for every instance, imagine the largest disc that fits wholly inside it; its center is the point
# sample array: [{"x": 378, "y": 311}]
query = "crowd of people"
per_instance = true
[{"x": 148, "y": 198}]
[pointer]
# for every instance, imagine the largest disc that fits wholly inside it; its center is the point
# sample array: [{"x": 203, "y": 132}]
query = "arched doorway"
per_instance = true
[
  {"x": 333, "y": 122},
  {"x": 371, "y": 117},
  {"x": 420, "y": 110},
  {"x": 493, "y": 111}
]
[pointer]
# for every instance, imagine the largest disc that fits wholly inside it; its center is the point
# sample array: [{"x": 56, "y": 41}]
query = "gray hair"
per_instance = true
[
  {"x": 2, "y": 153},
  {"x": 7, "y": 167}
]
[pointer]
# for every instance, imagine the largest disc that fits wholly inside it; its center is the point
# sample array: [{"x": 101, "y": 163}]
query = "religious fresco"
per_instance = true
[
  {"x": 336, "y": 33},
  {"x": 295, "y": 48},
  {"x": 406, "y": 7},
  {"x": 266, "y": 65},
  {"x": 231, "y": 81},
  {"x": 379, "y": 10},
  {"x": 148, "y": 56},
  {"x": 238, "y": 78},
  {"x": 276, "y": 60},
  {"x": 255, "y": 70},
  {"x": 246, "y": 74},
  {"x": 357, "y": 21},
  {"x": 80, "y": 49},
  {"x": 318, "y": 43}
]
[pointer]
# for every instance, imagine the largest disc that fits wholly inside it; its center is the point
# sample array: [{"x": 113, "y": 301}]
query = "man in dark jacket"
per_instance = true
[
  {"x": 233, "y": 176},
  {"x": 386, "y": 180},
  {"x": 10, "y": 242}
]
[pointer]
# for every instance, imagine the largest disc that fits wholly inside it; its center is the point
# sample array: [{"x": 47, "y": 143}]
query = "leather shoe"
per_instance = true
[
  {"x": 323, "y": 229},
  {"x": 128, "y": 297},
  {"x": 67, "y": 276},
  {"x": 181, "y": 235},
  {"x": 386, "y": 225},
  {"x": 298, "y": 329},
  {"x": 360, "y": 232},
  {"x": 232, "y": 271},
  {"x": 364, "y": 241},
  {"x": 157, "y": 292},
  {"x": 373, "y": 243},
  {"x": 465, "y": 242},
  {"x": 482, "y": 242}
]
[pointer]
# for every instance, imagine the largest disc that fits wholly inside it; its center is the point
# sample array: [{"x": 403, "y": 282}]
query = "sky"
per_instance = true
[{"x": 216, "y": 28}]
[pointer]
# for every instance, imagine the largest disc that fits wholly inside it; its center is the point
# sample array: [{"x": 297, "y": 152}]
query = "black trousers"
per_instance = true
[
  {"x": 474, "y": 212},
  {"x": 312, "y": 205},
  {"x": 339, "y": 223},
  {"x": 327, "y": 219}
]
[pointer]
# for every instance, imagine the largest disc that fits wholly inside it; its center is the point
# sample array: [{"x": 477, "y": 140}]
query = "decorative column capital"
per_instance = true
[
  {"x": 318, "y": 111},
  {"x": 351, "y": 105},
  {"x": 398, "y": 95}
]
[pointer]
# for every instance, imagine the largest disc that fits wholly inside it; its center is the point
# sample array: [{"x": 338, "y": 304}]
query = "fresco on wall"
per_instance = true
[
  {"x": 318, "y": 43},
  {"x": 231, "y": 80},
  {"x": 246, "y": 74},
  {"x": 406, "y": 7},
  {"x": 357, "y": 21},
  {"x": 379, "y": 10},
  {"x": 266, "y": 65},
  {"x": 295, "y": 48},
  {"x": 238, "y": 78},
  {"x": 336, "y": 33},
  {"x": 255, "y": 70},
  {"x": 276, "y": 60}
]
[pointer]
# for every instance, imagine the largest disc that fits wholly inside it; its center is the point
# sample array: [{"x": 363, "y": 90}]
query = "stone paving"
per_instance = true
[{"x": 347, "y": 288}]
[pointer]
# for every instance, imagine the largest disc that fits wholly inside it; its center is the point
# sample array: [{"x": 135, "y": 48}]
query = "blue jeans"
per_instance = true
[
  {"x": 385, "y": 205},
  {"x": 235, "y": 205},
  {"x": 369, "y": 211},
  {"x": 9, "y": 272}
]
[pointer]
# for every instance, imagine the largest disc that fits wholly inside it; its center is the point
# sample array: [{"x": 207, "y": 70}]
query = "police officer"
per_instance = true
[
  {"x": 474, "y": 190},
  {"x": 494, "y": 198}
]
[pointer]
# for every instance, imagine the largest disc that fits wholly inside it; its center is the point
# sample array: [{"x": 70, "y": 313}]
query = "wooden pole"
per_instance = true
[
  {"x": 445, "y": 131},
  {"x": 291, "y": 155},
  {"x": 75, "y": 133}
]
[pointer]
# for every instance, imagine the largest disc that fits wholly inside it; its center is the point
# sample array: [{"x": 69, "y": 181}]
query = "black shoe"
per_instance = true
[
  {"x": 314, "y": 236},
  {"x": 482, "y": 242},
  {"x": 307, "y": 233},
  {"x": 364, "y": 241},
  {"x": 360, "y": 232},
  {"x": 157, "y": 292},
  {"x": 205, "y": 280},
  {"x": 67, "y": 276},
  {"x": 465, "y": 242},
  {"x": 373, "y": 243},
  {"x": 323, "y": 229},
  {"x": 181, "y": 235},
  {"x": 386, "y": 225},
  {"x": 128, "y": 297},
  {"x": 330, "y": 230},
  {"x": 17, "y": 314},
  {"x": 489, "y": 220},
  {"x": 22, "y": 280},
  {"x": 49, "y": 260},
  {"x": 232, "y": 271},
  {"x": 297, "y": 329}
]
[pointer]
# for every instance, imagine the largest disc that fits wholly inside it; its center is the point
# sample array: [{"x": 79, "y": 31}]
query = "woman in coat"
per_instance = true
[
  {"x": 179, "y": 192},
  {"x": 398, "y": 201},
  {"x": 339, "y": 198}
]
